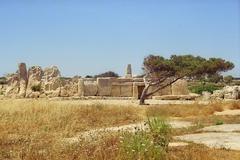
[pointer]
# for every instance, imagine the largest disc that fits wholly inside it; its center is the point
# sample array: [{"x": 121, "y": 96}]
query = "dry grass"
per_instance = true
[
  {"x": 184, "y": 110},
  {"x": 46, "y": 116},
  {"x": 201, "y": 152},
  {"x": 33, "y": 129},
  {"x": 234, "y": 105}
]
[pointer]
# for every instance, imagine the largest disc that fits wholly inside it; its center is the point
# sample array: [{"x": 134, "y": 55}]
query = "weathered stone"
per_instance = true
[
  {"x": 180, "y": 87},
  {"x": 90, "y": 88},
  {"x": 3, "y": 88},
  {"x": 52, "y": 82},
  {"x": 165, "y": 91},
  {"x": 23, "y": 79},
  {"x": 228, "y": 92},
  {"x": 217, "y": 94},
  {"x": 126, "y": 90},
  {"x": 206, "y": 96},
  {"x": 137, "y": 89},
  {"x": 34, "y": 79},
  {"x": 80, "y": 87},
  {"x": 116, "y": 91},
  {"x": 175, "y": 97},
  {"x": 104, "y": 86},
  {"x": 69, "y": 87},
  {"x": 128, "y": 71},
  {"x": 33, "y": 95},
  {"x": 50, "y": 72},
  {"x": 13, "y": 85}
]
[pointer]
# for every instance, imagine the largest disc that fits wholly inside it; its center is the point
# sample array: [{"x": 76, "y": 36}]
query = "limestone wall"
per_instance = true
[{"x": 50, "y": 84}]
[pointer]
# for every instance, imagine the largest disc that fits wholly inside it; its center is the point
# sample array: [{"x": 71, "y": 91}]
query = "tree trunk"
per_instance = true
[
  {"x": 145, "y": 90},
  {"x": 144, "y": 95}
]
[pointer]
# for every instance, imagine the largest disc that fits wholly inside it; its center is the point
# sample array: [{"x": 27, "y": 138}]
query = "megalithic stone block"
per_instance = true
[
  {"x": 129, "y": 71},
  {"x": 23, "y": 79}
]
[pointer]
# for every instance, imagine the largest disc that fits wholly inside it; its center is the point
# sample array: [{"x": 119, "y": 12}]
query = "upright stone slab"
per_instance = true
[
  {"x": 128, "y": 71},
  {"x": 12, "y": 88},
  {"x": 80, "y": 87},
  {"x": 104, "y": 86},
  {"x": 127, "y": 89},
  {"x": 180, "y": 87},
  {"x": 52, "y": 81},
  {"x": 34, "y": 79},
  {"x": 90, "y": 88},
  {"x": 23, "y": 79},
  {"x": 116, "y": 90}
]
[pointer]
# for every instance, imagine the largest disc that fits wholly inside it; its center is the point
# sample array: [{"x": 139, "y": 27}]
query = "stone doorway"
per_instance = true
[{"x": 140, "y": 90}]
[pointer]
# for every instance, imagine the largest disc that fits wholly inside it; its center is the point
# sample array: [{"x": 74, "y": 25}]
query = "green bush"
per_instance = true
[
  {"x": 3, "y": 80},
  {"x": 144, "y": 144},
  {"x": 204, "y": 87},
  {"x": 219, "y": 122},
  {"x": 36, "y": 88}
]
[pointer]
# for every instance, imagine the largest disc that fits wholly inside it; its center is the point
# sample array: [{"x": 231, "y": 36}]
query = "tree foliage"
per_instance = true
[
  {"x": 162, "y": 72},
  {"x": 107, "y": 74},
  {"x": 228, "y": 79}
]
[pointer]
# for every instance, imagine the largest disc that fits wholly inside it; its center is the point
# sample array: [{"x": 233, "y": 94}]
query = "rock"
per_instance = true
[
  {"x": 128, "y": 71},
  {"x": 23, "y": 79},
  {"x": 33, "y": 95},
  {"x": 206, "y": 95},
  {"x": 50, "y": 72},
  {"x": 231, "y": 92},
  {"x": 235, "y": 112},
  {"x": 90, "y": 88},
  {"x": 180, "y": 87},
  {"x": 34, "y": 80},
  {"x": 3, "y": 89},
  {"x": 175, "y": 97},
  {"x": 228, "y": 92},
  {"x": 69, "y": 87},
  {"x": 43, "y": 95},
  {"x": 51, "y": 81},
  {"x": 80, "y": 87},
  {"x": 104, "y": 86},
  {"x": 12, "y": 88},
  {"x": 217, "y": 94},
  {"x": 214, "y": 140},
  {"x": 222, "y": 128}
]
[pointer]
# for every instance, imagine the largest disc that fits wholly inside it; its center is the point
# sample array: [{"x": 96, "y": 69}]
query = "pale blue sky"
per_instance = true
[{"x": 93, "y": 36}]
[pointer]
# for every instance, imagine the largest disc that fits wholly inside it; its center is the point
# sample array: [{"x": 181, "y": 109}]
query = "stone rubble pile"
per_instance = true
[
  {"x": 227, "y": 93},
  {"x": 33, "y": 83}
]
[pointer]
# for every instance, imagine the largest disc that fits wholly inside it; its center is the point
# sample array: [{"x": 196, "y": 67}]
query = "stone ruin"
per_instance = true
[
  {"x": 226, "y": 93},
  {"x": 41, "y": 83}
]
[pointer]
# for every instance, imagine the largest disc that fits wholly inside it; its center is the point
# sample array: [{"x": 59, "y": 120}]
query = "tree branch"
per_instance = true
[{"x": 161, "y": 87}]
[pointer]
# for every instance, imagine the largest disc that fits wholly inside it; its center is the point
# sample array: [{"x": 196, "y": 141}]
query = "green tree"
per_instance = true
[
  {"x": 107, "y": 74},
  {"x": 228, "y": 79},
  {"x": 215, "y": 78},
  {"x": 161, "y": 72}
]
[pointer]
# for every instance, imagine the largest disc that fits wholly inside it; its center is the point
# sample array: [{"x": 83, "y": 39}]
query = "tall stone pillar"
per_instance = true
[
  {"x": 128, "y": 71},
  {"x": 23, "y": 79},
  {"x": 80, "y": 87}
]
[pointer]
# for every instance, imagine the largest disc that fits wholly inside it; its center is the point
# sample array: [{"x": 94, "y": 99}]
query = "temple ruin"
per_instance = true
[{"x": 40, "y": 83}]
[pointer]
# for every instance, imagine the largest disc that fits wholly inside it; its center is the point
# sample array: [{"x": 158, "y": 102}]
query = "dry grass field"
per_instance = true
[{"x": 34, "y": 129}]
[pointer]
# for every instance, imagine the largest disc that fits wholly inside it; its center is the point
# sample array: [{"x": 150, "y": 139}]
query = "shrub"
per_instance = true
[
  {"x": 107, "y": 74},
  {"x": 36, "y": 88},
  {"x": 146, "y": 145},
  {"x": 3, "y": 80},
  {"x": 160, "y": 131},
  {"x": 140, "y": 146},
  {"x": 228, "y": 79},
  {"x": 219, "y": 122},
  {"x": 204, "y": 87}
]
